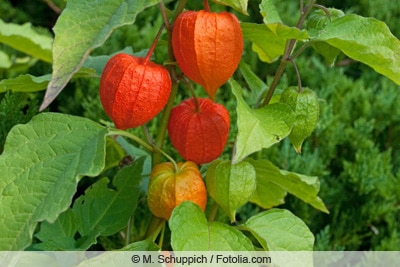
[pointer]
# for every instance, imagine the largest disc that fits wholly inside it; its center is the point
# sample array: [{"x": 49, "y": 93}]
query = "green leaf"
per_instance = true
[
  {"x": 190, "y": 231},
  {"x": 257, "y": 86},
  {"x": 306, "y": 108},
  {"x": 231, "y": 186},
  {"x": 329, "y": 52},
  {"x": 367, "y": 40},
  {"x": 304, "y": 187},
  {"x": 265, "y": 43},
  {"x": 280, "y": 230},
  {"x": 273, "y": 21},
  {"x": 259, "y": 128},
  {"x": 239, "y": 5},
  {"x": 267, "y": 193},
  {"x": 26, "y": 39},
  {"x": 316, "y": 21},
  {"x": 25, "y": 83},
  {"x": 41, "y": 165},
  {"x": 58, "y": 235},
  {"x": 30, "y": 83},
  {"x": 269, "y": 39},
  {"x": 5, "y": 61},
  {"x": 103, "y": 210},
  {"x": 82, "y": 27}
]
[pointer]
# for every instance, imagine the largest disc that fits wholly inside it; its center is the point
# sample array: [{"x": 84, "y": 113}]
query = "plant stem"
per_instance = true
[
  {"x": 132, "y": 137},
  {"x": 153, "y": 45},
  {"x": 326, "y": 10},
  {"x": 206, "y": 6},
  {"x": 213, "y": 212},
  {"x": 169, "y": 158},
  {"x": 297, "y": 74},
  {"x": 179, "y": 9},
  {"x": 53, "y": 6},
  {"x": 161, "y": 241},
  {"x": 287, "y": 52},
  {"x": 164, "y": 15},
  {"x": 154, "y": 227},
  {"x": 147, "y": 134},
  {"x": 190, "y": 87},
  {"x": 162, "y": 127},
  {"x": 275, "y": 82}
]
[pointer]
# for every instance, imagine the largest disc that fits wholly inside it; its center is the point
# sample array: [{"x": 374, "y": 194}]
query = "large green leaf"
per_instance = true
[
  {"x": 239, "y": 5},
  {"x": 269, "y": 39},
  {"x": 304, "y": 187},
  {"x": 26, "y": 39},
  {"x": 259, "y": 128},
  {"x": 103, "y": 210},
  {"x": 190, "y": 231},
  {"x": 82, "y": 27},
  {"x": 275, "y": 24},
  {"x": 231, "y": 186},
  {"x": 280, "y": 230},
  {"x": 41, "y": 165},
  {"x": 367, "y": 40},
  {"x": 265, "y": 43}
]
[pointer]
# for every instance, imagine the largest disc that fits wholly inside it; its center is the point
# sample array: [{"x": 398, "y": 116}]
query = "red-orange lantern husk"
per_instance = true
[
  {"x": 133, "y": 90},
  {"x": 208, "y": 47},
  {"x": 199, "y": 135}
]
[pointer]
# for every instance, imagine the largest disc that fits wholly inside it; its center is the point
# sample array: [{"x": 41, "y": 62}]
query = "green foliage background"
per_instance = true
[{"x": 354, "y": 150}]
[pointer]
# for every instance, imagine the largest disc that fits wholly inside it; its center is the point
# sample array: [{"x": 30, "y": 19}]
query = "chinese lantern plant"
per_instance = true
[
  {"x": 198, "y": 129},
  {"x": 133, "y": 90},
  {"x": 207, "y": 46},
  {"x": 171, "y": 184},
  {"x": 45, "y": 159}
]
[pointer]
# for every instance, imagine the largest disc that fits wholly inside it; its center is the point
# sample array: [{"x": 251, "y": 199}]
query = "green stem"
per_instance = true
[
  {"x": 132, "y": 137},
  {"x": 162, "y": 127},
  {"x": 275, "y": 81},
  {"x": 146, "y": 133},
  {"x": 154, "y": 228},
  {"x": 326, "y": 10},
  {"x": 300, "y": 50},
  {"x": 286, "y": 55},
  {"x": 213, "y": 212},
  {"x": 169, "y": 158},
  {"x": 178, "y": 10},
  {"x": 161, "y": 241},
  {"x": 297, "y": 75},
  {"x": 153, "y": 45}
]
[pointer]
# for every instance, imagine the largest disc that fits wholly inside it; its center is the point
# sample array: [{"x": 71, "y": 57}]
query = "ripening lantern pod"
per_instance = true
[
  {"x": 199, "y": 133},
  {"x": 133, "y": 90},
  {"x": 207, "y": 46}
]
